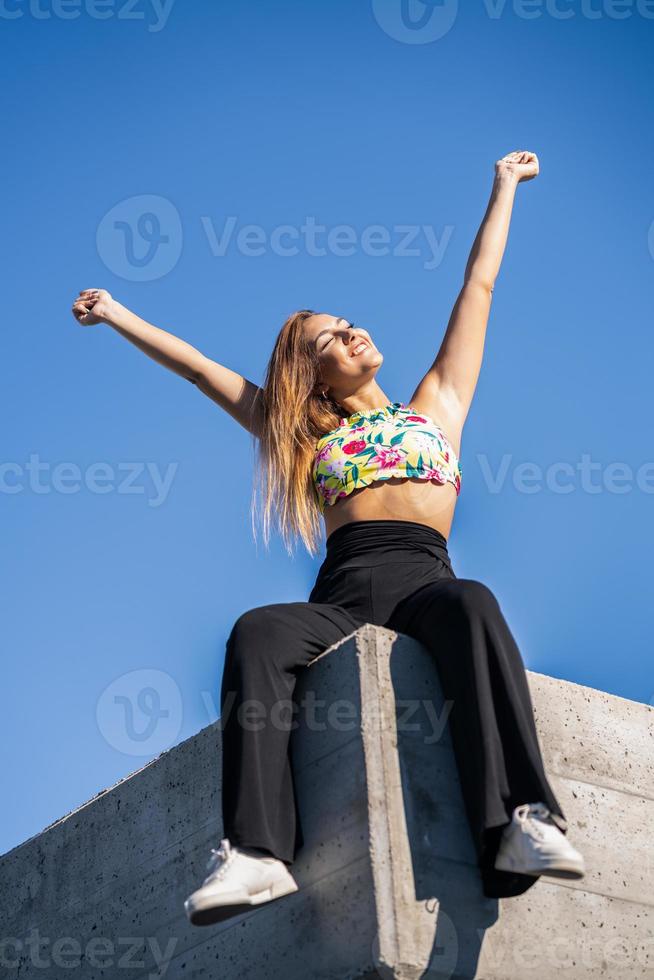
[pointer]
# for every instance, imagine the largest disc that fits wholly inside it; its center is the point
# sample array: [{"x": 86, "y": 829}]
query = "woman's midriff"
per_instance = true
[{"x": 399, "y": 498}]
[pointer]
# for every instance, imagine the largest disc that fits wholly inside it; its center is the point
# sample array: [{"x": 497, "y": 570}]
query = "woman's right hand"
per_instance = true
[
  {"x": 91, "y": 306},
  {"x": 521, "y": 165}
]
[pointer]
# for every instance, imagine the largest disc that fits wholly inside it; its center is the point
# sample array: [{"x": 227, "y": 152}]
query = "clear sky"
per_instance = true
[{"x": 138, "y": 146}]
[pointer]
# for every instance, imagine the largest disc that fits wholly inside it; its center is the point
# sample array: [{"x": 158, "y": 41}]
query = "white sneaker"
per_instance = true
[
  {"x": 532, "y": 844},
  {"x": 236, "y": 881}
]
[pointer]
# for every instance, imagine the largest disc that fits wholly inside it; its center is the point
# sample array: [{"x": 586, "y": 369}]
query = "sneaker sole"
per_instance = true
[
  {"x": 211, "y": 910},
  {"x": 571, "y": 872},
  {"x": 562, "y": 869}
]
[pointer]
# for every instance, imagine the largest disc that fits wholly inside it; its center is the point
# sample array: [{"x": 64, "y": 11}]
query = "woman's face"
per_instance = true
[{"x": 344, "y": 363}]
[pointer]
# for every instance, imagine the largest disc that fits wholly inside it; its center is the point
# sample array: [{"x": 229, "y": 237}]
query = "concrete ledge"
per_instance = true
[{"x": 388, "y": 881}]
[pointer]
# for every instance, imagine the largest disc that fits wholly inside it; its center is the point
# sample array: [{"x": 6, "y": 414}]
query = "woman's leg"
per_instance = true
[
  {"x": 492, "y": 725},
  {"x": 265, "y": 649}
]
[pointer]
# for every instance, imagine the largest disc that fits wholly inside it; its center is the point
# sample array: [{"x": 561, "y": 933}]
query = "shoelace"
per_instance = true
[
  {"x": 221, "y": 858},
  {"x": 529, "y": 812}
]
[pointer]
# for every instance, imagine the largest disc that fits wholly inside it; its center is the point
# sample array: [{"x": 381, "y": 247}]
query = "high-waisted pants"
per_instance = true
[{"x": 396, "y": 574}]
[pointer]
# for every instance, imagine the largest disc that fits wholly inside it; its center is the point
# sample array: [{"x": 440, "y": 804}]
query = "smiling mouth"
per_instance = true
[{"x": 361, "y": 346}]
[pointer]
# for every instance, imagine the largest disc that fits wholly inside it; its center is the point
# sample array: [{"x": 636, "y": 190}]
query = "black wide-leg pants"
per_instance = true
[{"x": 395, "y": 574}]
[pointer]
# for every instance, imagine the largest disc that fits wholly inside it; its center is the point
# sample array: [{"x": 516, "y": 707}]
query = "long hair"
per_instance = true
[{"x": 294, "y": 417}]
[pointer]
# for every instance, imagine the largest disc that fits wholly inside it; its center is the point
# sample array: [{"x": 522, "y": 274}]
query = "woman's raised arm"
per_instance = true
[
  {"x": 450, "y": 382},
  {"x": 238, "y": 396}
]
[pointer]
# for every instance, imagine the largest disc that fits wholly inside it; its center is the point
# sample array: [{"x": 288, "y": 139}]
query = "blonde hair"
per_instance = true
[{"x": 294, "y": 418}]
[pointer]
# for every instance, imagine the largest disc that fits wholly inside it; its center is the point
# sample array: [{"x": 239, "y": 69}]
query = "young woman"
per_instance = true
[{"x": 385, "y": 477}]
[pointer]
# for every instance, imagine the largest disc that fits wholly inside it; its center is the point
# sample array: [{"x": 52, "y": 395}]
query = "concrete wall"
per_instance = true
[{"x": 388, "y": 881}]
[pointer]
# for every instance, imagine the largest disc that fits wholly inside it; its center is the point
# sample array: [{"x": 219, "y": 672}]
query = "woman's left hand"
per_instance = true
[{"x": 521, "y": 164}]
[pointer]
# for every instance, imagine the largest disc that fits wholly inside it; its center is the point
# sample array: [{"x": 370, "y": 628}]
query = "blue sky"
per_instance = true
[{"x": 127, "y": 546}]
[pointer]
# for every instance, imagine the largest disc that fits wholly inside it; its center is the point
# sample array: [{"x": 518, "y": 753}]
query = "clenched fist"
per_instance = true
[
  {"x": 91, "y": 306},
  {"x": 521, "y": 164}
]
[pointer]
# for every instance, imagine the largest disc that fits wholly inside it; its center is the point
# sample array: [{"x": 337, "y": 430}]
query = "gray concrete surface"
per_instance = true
[{"x": 388, "y": 881}]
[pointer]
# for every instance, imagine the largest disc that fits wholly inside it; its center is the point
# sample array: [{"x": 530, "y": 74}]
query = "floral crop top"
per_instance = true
[{"x": 379, "y": 444}]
